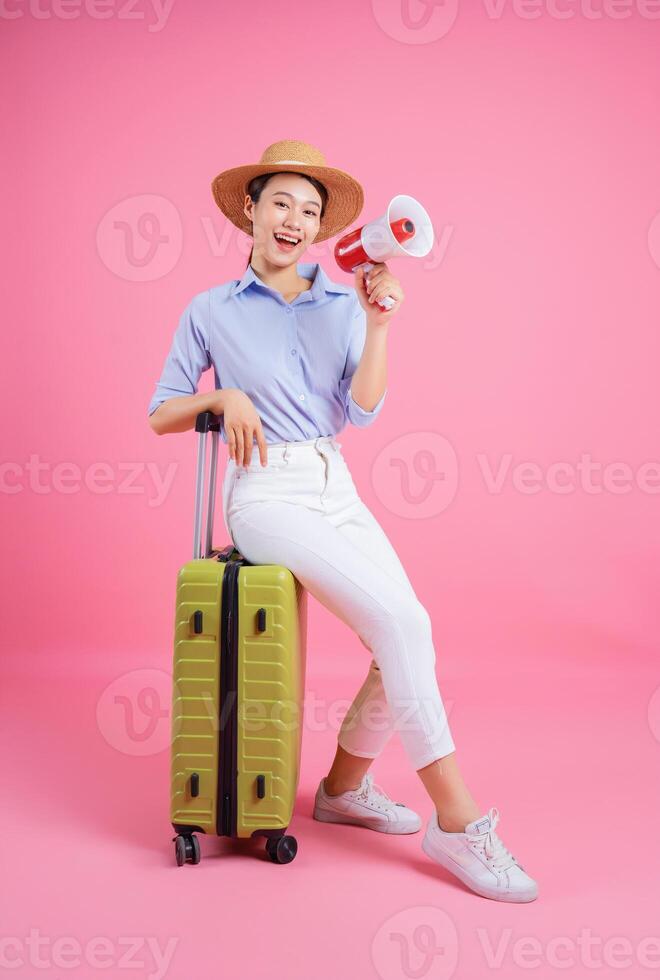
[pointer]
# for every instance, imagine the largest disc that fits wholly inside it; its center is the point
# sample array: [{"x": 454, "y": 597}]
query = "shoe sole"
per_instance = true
[
  {"x": 327, "y": 816},
  {"x": 450, "y": 865}
]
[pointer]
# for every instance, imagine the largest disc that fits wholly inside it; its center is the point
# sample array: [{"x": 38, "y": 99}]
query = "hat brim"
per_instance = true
[{"x": 345, "y": 194}]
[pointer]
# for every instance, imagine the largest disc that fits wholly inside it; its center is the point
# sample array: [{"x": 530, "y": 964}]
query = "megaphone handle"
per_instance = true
[{"x": 386, "y": 303}]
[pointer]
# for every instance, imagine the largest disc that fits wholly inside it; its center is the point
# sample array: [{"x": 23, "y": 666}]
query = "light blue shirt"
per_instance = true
[{"x": 294, "y": 360}]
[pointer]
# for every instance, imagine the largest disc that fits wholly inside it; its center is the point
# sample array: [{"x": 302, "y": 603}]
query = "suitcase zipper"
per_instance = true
[{"x": 228, "y": 695}]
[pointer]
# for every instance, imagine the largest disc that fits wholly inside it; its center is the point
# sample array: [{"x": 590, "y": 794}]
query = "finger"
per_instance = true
[
  {"x": 247, "y": 444},
  {"x": 377, "y": 273},
  {"x": 251, "y": 439},
  {"x": 384, "y": 289},
  {"x": 231, "y": 443},
  {"x": 385, "y": 282},
  {"x": 239, "y": 444},
  {"x": 237, "y": 449},
  {"x": 360, "y": 280},
  {"x": 374, "y": 277},
  {"x": 263, "y": 448}
]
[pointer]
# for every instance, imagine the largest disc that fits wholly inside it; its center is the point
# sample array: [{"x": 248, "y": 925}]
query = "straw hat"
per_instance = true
[{"x": 345, "y": 194}]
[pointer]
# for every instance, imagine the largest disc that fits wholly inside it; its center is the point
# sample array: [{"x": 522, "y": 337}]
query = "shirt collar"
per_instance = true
[{"x": 308, "y": 270}]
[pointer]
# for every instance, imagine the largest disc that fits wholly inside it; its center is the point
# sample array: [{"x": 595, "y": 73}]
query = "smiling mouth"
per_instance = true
[{"x": 284, "y": 245}]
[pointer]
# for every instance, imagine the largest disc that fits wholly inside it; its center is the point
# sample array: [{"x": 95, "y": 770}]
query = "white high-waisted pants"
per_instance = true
[{"x": 303, "y": 511}]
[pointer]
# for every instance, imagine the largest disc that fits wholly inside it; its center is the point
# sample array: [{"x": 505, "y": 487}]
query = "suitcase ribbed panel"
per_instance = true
[
  {"x": 271, "y": 684},
  {"x": 195, "y": 695}
]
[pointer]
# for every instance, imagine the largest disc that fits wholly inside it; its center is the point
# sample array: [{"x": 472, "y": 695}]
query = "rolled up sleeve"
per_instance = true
[
  {"x": 354, "y": 412},
  {"x": 188, "y": 357}
]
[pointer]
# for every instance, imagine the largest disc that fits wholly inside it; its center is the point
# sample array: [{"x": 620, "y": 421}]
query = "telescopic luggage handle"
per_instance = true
[{"x": 204, "y": 423}]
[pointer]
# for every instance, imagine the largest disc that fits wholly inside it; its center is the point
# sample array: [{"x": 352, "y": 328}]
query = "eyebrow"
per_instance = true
[{"x": 315, "y": 203}]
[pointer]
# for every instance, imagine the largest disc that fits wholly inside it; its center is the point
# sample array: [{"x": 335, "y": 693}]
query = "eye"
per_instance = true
[{"x": 308, "y": 211}]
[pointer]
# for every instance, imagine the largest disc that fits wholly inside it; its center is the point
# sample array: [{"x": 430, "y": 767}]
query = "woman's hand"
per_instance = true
[
  {"x": 380, "y": 283},
  {"x": 242, "y": 425}
]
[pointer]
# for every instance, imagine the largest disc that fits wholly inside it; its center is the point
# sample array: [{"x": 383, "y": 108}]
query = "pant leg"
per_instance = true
[
  {"x": 369, "y": 723},
  {"x": 389, "y": 619}
]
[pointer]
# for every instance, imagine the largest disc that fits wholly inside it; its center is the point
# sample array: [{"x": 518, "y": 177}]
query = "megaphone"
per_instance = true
[{"x": 404, "y": 229}]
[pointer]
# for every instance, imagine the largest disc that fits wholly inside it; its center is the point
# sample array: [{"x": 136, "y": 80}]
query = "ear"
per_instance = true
[{"x": 248, "y": 206}]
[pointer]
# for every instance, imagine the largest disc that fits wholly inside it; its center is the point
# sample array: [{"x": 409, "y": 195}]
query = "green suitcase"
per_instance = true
[{"x": 240, "y": 636}]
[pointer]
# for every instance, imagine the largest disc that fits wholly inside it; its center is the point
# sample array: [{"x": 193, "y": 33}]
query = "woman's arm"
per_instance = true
[
  {"x": 241, "y": 422},
  {"x": 370, "y": 379},
  {"x": 179, "y": 414}
]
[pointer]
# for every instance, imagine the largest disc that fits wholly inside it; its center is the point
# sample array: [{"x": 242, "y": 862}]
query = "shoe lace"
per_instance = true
[
  {"x": 372, "y": 791},
  {"x": 497, "y": 855}
]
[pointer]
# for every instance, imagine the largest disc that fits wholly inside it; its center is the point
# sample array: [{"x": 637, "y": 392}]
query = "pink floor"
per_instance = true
[{"x": 569, "y": 756}]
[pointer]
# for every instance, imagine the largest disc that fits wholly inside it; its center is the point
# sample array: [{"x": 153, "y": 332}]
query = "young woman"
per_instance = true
[{"x": 295, "y": 357}]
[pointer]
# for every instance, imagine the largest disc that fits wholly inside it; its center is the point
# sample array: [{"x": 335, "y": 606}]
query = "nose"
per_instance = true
[{"x": 292, "y": 221}]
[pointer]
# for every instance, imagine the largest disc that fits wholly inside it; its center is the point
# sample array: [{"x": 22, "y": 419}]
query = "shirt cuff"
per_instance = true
[{"x": 360, "y": 415}]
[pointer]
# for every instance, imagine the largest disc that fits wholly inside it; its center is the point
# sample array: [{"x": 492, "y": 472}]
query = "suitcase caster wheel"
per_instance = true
[
  {"x": 186, "y": 849},
  {"x": 281, "y": 850}
]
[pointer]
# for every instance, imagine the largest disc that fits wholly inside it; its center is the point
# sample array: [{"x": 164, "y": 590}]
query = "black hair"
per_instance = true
[{"x": 257, "y": 184}]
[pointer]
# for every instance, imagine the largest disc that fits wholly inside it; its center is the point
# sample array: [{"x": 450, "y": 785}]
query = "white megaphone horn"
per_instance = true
[{"x": 404, "y": 229}]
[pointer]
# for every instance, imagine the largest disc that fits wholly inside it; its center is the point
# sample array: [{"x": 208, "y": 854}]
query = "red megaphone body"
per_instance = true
[{"x": 404, "y": 229}]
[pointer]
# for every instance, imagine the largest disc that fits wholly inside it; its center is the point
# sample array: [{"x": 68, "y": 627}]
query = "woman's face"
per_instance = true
[{"x": 289, "y": 205}]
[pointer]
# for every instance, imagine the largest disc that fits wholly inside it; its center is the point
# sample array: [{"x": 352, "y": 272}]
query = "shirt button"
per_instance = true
[
  {"x": 293, "y": 351},
  {"x": 289, "y": 310},
  {"x": 302, "y": 398}
]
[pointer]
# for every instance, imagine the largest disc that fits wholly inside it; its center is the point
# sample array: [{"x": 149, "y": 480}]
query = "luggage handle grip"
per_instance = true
[
  {"x": 202, "y": 540},
  {"x": 206, "y": 421}
]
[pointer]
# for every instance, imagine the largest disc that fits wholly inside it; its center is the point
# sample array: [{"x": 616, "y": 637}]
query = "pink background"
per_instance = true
[{"x": 533, "y": 142}]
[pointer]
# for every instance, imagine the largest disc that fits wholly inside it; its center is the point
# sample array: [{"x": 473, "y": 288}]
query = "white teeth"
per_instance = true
[{"x": 286, "y": 238}]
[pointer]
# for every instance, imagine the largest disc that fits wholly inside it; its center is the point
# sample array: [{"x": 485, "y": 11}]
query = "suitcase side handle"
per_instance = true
[{"x": 202, "y": 539}]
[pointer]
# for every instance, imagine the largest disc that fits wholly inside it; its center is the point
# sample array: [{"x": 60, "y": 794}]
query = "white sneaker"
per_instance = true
[
  {"x": 368, "y": 806},
  {"x": 479, "y": 858}
]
